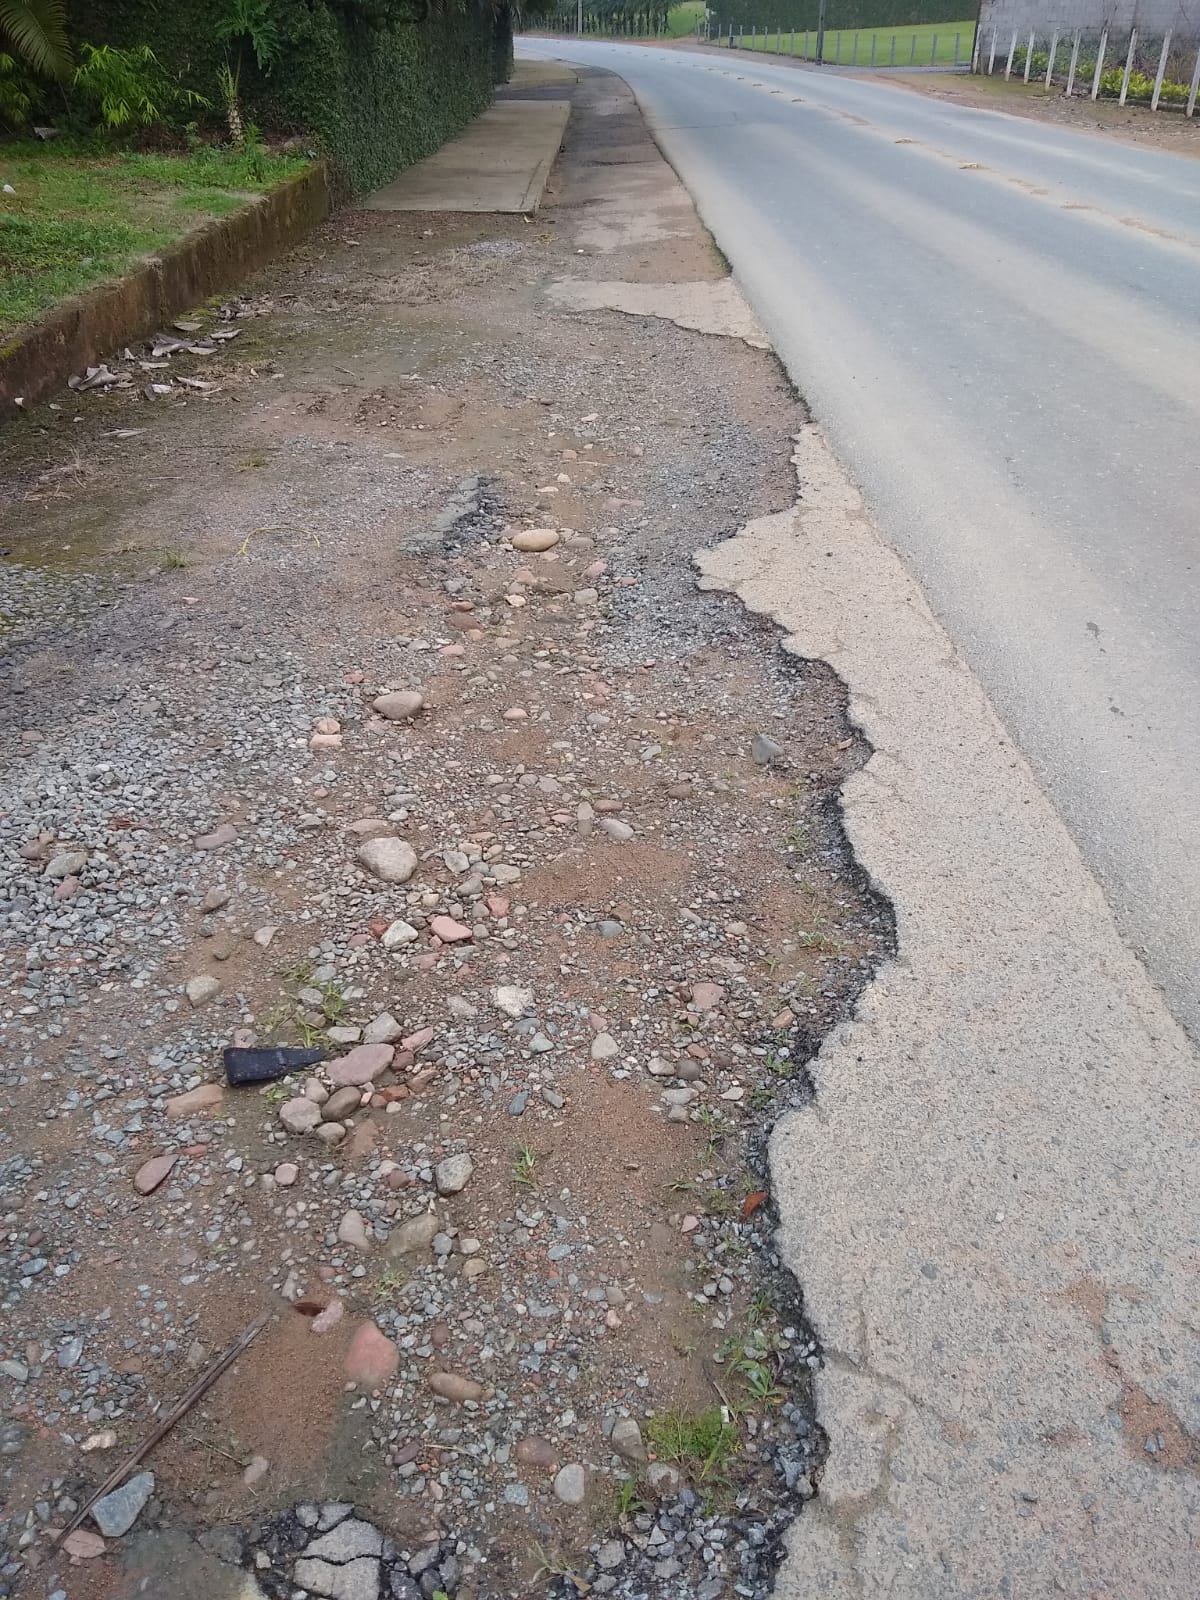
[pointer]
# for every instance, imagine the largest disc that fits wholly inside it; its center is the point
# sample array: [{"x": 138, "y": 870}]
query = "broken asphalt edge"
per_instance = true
[
  {"x": 78, "y": 332},
  {"x": 1002, "y": 1090},
  {"x": 1013, "y": 1050}
]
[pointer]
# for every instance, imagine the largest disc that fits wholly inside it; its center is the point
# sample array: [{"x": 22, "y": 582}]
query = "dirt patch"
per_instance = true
[{"x": 621, "y": 797}]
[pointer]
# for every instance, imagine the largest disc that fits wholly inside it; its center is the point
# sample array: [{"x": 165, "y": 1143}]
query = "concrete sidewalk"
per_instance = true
[{"x": 500, "y": 163}]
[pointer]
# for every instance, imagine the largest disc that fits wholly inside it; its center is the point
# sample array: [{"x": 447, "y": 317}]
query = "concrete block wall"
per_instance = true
[{"x": 1152, "y": 18}]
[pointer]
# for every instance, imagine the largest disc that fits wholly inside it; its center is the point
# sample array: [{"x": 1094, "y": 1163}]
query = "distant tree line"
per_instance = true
[{"x": 633, "y": 18}]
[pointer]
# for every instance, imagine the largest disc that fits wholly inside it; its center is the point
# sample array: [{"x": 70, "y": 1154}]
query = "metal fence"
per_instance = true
[
  {"x": 1130, "y": 68},
  {"x": 850, "y": 47}
]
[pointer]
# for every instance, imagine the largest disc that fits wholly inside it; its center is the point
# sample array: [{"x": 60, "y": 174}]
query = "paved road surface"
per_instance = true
[
  {"x": 991, "y": 1205},
  {"x": 998, "y": 325}
]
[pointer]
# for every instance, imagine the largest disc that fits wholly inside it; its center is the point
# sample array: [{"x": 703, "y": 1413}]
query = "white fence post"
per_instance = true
[
  {"x": 1050, "y": 63},
  {"x": 1074, "y": 60},
  {"x": 933, "y": 51},
  {"x": 1029, "y": 56},
  {"x": 1161, "y": 73},
  {"x": 1191, "y": 105},
  {"x": 992, "y": 55},
  {"x": 1128, "y": 65},
  {"x": 1099, "y": 64},
  {"x": 1012, "y": 50}
]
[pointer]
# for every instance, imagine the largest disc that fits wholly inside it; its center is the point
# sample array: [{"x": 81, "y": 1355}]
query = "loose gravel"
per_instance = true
[{"x": 539, "y": 845}]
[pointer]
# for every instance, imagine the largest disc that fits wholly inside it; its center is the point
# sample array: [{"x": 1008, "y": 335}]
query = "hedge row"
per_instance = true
[
  {"x": 378, "y": 85},
  {"x": 839, "y": 14}
]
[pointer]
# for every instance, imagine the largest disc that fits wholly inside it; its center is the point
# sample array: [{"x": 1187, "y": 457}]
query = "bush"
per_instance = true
[
  {"x": 377, "y": 83},
  {"x": 129, "y": 89},
  {"x": 1141, "y": 86},
  {"x": 19, "y": 92}
]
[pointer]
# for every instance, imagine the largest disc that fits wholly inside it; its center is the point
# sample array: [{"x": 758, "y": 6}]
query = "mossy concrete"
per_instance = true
[{"x": 89, "y": 327}]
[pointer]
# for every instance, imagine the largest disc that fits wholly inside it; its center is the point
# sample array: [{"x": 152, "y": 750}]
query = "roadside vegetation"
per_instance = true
[
  {"x": 80, "y": 212},
  {"x": 123, "y": 125},
  {"x": 106, "y": 156}
]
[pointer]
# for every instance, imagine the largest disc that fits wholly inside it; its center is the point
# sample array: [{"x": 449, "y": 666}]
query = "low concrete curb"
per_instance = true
[{"x": 82, "y": 330}]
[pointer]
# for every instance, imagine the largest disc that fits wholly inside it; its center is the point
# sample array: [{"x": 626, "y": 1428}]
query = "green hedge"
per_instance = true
[
  {"x": 377, "y": 87},
  {"x": 839, "y": 14}
]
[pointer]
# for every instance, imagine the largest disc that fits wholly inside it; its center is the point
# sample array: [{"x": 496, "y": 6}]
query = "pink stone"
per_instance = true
[
  {"x": 453, "y": 650},
  {"x": 329, "y": 1318},
  {"x": 362, "y": 1065},
  {"x": 596, "y": 570},
  {"x": 327, "y": 725},
  {"x": 372, "y": 1358},
  {"x": 67, "y": 889},
  {"x": 707, "y": 995},
  {"x": 153, "y": 1172},
  {"x": 83, "y": 1544},
  {"x": 416, "y": 1042},
  {"x": 203, "y": 1098},
  {"x": 286, "y": 1174},
  {"x": 225, "y": 834},
  {"x": 325, "y": 741},
  {"x": 448, "y": 930},
  {"x": 425, "y": 962},
  {"x": 401, "y": 705},
  {"x": 498, "y": 905},
  {"x": 357, "y": 940}
]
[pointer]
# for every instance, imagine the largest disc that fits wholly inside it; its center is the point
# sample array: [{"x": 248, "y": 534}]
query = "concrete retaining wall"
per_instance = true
[
  {"x": 85, "y": 329},
  {"x": 1152, "y": 18}
]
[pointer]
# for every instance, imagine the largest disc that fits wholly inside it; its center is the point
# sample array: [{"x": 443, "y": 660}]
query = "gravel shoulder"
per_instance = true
[
  {"x": 363, "y": 700},
  {"x": 1137, "y": 125}
]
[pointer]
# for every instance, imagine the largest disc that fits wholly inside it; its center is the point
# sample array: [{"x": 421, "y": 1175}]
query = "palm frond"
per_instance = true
[{"x": 36, "y": 32}]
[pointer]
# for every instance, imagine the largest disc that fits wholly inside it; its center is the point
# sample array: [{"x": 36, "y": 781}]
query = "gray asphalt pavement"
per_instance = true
[{"x": 997, "y": 324}]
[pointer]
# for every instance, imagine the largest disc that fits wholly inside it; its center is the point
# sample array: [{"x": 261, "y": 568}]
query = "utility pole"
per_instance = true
[{"x": 820, "y": 31}]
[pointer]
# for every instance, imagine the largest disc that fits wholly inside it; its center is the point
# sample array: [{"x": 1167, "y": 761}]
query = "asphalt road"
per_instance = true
[{"x": 997, "y": 323}]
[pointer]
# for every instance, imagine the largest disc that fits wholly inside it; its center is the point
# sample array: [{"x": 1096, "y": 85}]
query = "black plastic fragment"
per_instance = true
[{"x": 264, "y": 1066}]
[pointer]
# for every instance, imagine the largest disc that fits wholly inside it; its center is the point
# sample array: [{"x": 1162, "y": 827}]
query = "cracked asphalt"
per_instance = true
[{"x": 989, "y": 1205}]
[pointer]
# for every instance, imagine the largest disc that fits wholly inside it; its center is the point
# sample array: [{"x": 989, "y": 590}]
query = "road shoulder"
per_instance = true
[{"x": 988, "y": 1205}]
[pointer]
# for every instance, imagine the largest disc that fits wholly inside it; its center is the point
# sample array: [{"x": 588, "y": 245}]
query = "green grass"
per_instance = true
[
  {"x": 82, "y": 214},
  {"x": 702, "y": 1443},
  {"x": 839, "y": 46},
  {"x": 524, "y": 1166},
  {"x": 682, "y": 19}
]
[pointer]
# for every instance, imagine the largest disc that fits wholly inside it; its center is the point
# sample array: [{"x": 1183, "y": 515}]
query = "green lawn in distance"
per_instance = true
[{"x": 839, "y": 47}]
